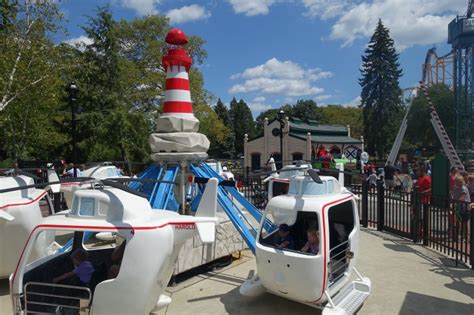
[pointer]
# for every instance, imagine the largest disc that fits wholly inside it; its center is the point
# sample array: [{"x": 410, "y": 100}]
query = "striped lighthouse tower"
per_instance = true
[
  {"x": 177, "y": 64},
  {"x": 176, "y": 137}
]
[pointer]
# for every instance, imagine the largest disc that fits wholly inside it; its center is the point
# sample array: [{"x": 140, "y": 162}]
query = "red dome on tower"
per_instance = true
[{"x": 176, "y": 36}]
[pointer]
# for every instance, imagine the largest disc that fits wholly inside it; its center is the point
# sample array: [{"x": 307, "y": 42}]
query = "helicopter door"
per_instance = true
[{"x": 341, "y": 225}]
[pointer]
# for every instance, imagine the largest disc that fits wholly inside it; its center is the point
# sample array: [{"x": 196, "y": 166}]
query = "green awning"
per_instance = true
[{"x": 319, "y": 139}]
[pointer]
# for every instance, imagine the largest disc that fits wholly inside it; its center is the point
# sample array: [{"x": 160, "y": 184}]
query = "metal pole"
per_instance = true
[
  {"x": 74, "y": 156},
  {"x": 281, "y": 142},
  {"x": 380, "y": 206},
  {"x": 183, "y": 188}
]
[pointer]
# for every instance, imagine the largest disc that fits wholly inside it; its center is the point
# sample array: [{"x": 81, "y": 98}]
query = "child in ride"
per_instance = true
[
  {"x": 312, "y": 245},
  {"x": 83, "y": 269},
  {"x": 284, "y": 239}
]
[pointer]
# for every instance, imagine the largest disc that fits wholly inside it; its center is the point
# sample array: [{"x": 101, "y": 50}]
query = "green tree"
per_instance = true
[
  {"x": 420, "y": 131},
  {"x": 381, "y": 95},
  {"x": 340, "y": 115},
  {"x": 224, "y": 149},
  {"x": 306, "y": 109},
  {"x": 222, "y": 112},
  {"x": 110, "y": 128},
  {"x": 30, "y": 69},
  {"x": 242, "y": 123}
]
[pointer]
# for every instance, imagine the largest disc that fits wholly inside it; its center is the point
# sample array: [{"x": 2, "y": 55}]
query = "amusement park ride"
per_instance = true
[
  {"x": 456, "y": 70},
  {"x": 105, "y": 215},
  {"x": 102, "y": 171}
]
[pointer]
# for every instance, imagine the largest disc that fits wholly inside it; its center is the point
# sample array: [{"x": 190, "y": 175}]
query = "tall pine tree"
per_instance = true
[
  {"x": 225, "y": 149},
  {"x": 381, "y": 97},
  {"x": 222, "y": 112},
  {"x": 242, "y": 122}
]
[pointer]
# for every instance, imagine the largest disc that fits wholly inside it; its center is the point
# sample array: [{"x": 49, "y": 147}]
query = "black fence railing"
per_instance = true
[
  {"x": 438, "y": 222},
  {"x": 255, "y": 190}
]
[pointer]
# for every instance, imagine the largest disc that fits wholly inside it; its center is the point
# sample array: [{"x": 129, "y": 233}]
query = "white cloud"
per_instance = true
[
  {"x": 410, "y": 22},
  {"x": 353, "y": 103},
  {"x": 258, "y": 105},
  {"x": 79, "y": 42},
  {"x": 251, "y": 7},
  {"x": 323, "y": 97},
  {"x": 325, "y": 9},
  {"x": 279, "y": 78},
  {"x": 142, "y": 7},
  {"x": 189, "y": 13}
]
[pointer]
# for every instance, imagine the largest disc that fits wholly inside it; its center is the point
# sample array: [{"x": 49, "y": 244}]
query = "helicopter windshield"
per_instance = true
[
  {"x": 297, "y": 224},
  {"x": 311, "y": 188}
]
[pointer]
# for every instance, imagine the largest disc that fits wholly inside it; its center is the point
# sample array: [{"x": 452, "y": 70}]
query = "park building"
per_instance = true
[{"x": 301, "y": 140}]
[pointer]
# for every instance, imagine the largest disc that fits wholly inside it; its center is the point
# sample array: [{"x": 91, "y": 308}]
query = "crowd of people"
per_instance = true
[{"x": 460, "y": 198}]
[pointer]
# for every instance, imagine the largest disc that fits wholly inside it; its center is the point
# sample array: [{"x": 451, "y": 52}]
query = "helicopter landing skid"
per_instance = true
[
  {"x": 252, "y": 287},
  {"x": 163, "y": 301}
]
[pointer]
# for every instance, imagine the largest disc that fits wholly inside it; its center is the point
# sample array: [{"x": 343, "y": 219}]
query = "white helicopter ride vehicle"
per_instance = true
[
  {"x": 20, "y": 212},
  {"x": 322, "y": 277},
  {"x": 102, "y": 171},
  {"x": 134, "y": 284}
]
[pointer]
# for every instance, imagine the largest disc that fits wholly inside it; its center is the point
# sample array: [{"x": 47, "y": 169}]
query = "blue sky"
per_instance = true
[{"x": 272, "y": 52}]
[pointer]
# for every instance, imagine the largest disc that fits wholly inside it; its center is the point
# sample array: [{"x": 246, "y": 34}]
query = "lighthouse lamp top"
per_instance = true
[
  {"x": 176, "y": 36},
  {"x": 176, "y": 56}
]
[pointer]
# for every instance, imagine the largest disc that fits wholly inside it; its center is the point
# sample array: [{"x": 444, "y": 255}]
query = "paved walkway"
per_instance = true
[{"x": 406, "y": 278}]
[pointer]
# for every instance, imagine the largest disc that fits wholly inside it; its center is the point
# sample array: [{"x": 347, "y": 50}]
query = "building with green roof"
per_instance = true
[{"x": 302, "y": 139}]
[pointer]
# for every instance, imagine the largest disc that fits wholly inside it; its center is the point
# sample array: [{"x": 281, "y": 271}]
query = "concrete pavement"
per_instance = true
[{"x": 406, "y": 278}]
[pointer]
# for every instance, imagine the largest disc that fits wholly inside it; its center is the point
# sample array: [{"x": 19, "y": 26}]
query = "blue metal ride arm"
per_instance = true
[
  {"x": 268, "y": 226},
  {"x": 164, "y": 193}
]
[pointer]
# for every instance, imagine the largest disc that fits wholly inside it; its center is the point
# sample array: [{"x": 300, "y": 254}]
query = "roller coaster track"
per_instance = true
[
  {"x": 438, "y": 127},
  {"x": 433, "y": 61}
]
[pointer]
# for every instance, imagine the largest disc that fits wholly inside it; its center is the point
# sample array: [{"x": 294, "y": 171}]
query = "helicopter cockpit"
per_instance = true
[
  {"x": 43, "y": 293},
  {"x": 319, "y": 208}
]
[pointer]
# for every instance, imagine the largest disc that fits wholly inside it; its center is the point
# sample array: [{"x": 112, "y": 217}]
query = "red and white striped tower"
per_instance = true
[
  {"x": 177, "y": 64},
  {"x": 176, "y": 137}
]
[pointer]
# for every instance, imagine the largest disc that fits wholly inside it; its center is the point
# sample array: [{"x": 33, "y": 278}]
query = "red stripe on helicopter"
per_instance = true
[
  {"x": 93, "y": 228},
  {"x": 75, "y": 183},
  {"x": 324, "y": 242},
  {"x": 24, "y": 203}
]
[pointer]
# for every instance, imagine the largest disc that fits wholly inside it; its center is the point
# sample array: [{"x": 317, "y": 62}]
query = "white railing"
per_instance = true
[
  {"x": 339, "y": 259},
  {"x": 49, "y": 297}
]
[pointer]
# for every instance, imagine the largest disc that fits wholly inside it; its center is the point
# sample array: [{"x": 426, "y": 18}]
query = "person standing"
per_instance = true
[
  {"x": 461, "y": 201},
  {"x": 389, "y": 172},
  {"x": 453, "y": 173},
  {"x": 424, "y": 186},
  {"x": 372, "y": 178}
]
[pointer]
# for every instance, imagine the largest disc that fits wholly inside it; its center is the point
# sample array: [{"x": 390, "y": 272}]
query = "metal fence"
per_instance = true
[{"x": 438, "y": 222}]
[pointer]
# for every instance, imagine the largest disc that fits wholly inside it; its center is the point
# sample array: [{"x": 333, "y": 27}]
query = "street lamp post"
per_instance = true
[
  {"x": 280, "y": 118},
  {"x": 72, "y": 90}
]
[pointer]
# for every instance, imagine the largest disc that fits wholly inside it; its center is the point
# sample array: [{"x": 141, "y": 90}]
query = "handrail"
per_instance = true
[
  {"x": 335, "y": 247},
  {"x": 338, "y": 263},
  {"x": 61, "y": 299}
]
